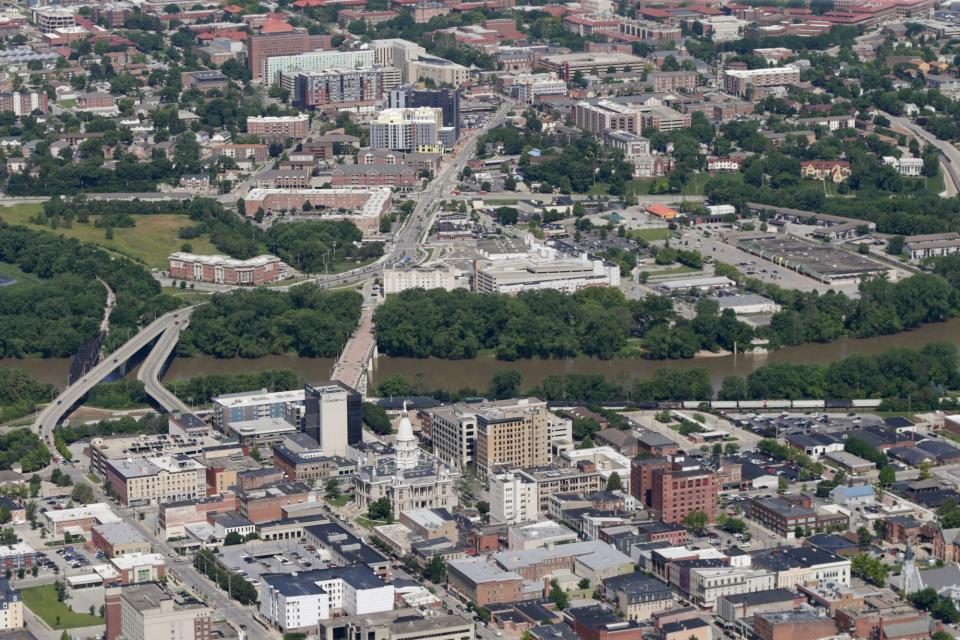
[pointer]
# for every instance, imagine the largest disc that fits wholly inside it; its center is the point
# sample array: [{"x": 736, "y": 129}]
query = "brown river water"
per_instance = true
[{"x": 456, "y": 374}]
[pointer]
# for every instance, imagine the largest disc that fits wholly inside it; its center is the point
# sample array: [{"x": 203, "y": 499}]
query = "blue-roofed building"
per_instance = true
[
  {"x": 853, "y": 496},
  {"x": 297, "y": 601}
]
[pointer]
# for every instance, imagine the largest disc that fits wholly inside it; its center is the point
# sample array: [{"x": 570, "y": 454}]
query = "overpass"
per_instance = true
[
  {"x": 155, "y": 363},
  {"x": 358, "y": 355},
  {"x": 55, "y": 412}
]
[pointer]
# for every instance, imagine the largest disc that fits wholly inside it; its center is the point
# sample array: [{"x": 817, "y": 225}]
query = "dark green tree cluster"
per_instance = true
[
  {"x": 537, "y": 324},
  {"x": 896, "y": 373},
  {"x": 54, "y": 317},
  {"x": 20, "y": 393},
  {"x": 375, "y": 417},
  {"x": 580, "y": 165},
  {"x": 305, "y": 320},
  {"x": 869, "y": 568},
  {"x": 122, "y": 394},
  {"x": 199, "y": 389},
  {"x": 940, "y": 607},
  {"x": 59, "y": 176},
  {"x": 24, "y": 447},
  {"x": 665, "y": 384},
  {"x": 314, "y": 245}
]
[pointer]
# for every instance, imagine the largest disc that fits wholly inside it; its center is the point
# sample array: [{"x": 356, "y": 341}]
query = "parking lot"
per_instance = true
[{"x": 252, "y": 559}]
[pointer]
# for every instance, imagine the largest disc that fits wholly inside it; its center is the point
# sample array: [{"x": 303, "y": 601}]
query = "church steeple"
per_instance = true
[{"x": 408, "y": 453}]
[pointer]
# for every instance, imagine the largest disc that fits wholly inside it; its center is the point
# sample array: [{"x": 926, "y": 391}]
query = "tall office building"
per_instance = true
[
  {"x": 261, "y": 47},
  {"x": 683, "y": 488},
  {"x": 447, "y": 100},
  {"x": 333, "y": 416}
]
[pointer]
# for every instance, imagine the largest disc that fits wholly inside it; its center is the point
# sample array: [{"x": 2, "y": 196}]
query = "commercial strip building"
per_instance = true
[
  {"x": 224, "y": 269},
  {"x": 118, "y": 538},
  {"x": 527, "y": 87},
  {"x": 363, "y": 207}
]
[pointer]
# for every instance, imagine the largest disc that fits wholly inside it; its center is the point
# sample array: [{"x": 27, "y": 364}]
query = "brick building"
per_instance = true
[
  {"x": 262, "y": 46},
  {"x": 279, "y": 127},
  {"x": 799, "y": 624},
  {"x": 398, "y": 176},
  {"x": 117, "y": 539},
  {"x": 670, "y": 81},
  {"x": 24, "y": 103},
  {"x": 266, "y": 504},
  {"x": 482, "y": 582},
  {"x": 683, "y": 488},
  {"x": 224, "y": 269},
  {"x": 174, "y": 516}
]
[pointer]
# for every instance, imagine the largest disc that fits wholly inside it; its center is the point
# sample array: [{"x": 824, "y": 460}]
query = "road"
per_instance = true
[
  {"x": 152, "y": 367},
  {"x": 184, "y": 572},
  {"x": 56, "y": 411},
  {"x": 950, "y": 153}
]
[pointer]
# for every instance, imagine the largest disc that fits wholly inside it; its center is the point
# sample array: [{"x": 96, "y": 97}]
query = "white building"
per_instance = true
[
  {"x": 435, "y": 276},
  {"x": 300, "y": 600},
  {"x": 539, "y": 534},
  {"x": 707, "y": 584},
  {"x": 527, "y": 86},
  {"x": 416, "y": 64},
  {"x": 514, "y": 498},
  {"x": 316, "y": 61},
  {"x": 407, "y": 129},
  {"x": 912, "y": 167},
  {"x": 545, "y": 267},
  {"x": 607, "y": 460}
]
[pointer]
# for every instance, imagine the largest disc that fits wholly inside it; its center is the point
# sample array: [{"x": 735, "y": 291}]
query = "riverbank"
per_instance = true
[{"x": 476, "y": 373}]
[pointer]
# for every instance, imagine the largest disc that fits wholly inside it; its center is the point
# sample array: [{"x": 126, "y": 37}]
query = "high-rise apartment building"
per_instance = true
[
  {"x": 416, "y": 129},
  {"x": 23, "y": 103},
  {"x": 279, "y": 127},
  {"x": 683, "y": 488},
  {"x": 321, "y": 60},
  {"x": 146, "y": 612},
  {"x": 257, "y": 405},
  {"x": 312, "y": 89},
  {"x": 447, "y": 100},
  {"x": 333, "y": 416},
  {"x": 261, "y": 47}
]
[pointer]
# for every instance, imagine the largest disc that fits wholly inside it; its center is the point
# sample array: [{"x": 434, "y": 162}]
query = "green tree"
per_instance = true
[
  {"x": 558, "y": 596},
  {"x": 696, "y": 520},
  {"x": 379, "y": 509},
  {"x": 436, "y": 570},
  {"x": 83, "y": 493},
  {"x": 505, "y": 384},
  {"x": 735, "y": 525},
  {"x": 864, "y": 536},
  {"x": 232, "y": 538},
  {"x": 614, "y": 483},
  {"x": 887, "y": 476}
]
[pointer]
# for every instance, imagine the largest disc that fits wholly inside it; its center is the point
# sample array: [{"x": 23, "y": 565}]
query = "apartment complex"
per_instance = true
[
  {"x": 279, "y": 127},
  {"x": 337, "y": 87},
  {"x": 23, "y": 103},
  {"x": 669, "y": 81},
  {"x": 602, "y": 115},
  {"x": 682, "y": 488},
  {"x": 260, "y": 47},
  {"x": 241, "y": 407},
  {"x": 146, "y": 611},
  {"x": 757, "y": 82},
  {"x": 409, "y": 129},
  {"x": 224, "y": 269},
  {"x": 447, "y": 100},
  {"x": 363, "y": 207},
  {"x": 526, "y": 87},
  {"x": 567, "y": 65},
  {"x": 156, "y": 480},
  {"x": 437, "y": 276},
  {"x": 276, "y": 66},
  {"x": 415, "y": 64}
]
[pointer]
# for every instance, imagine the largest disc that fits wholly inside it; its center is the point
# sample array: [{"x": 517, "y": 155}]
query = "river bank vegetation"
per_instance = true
[
  {"x": 305, "y": 320},
  {"x": 903, "y": 378}
]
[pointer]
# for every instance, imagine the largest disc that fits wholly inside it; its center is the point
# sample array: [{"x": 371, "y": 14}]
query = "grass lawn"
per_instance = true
[
  {"x": 339, "y": 501},
  {"x": 935, "y": 185},
  {"x": 12, "y": 272},
  {"x": 694, "y": 186},
  {"x": 151, "y": 241},
  {"x": 43, "y": 602},
  {"x": 674, "y": 271},
  {"x": 650, "y": 235}
]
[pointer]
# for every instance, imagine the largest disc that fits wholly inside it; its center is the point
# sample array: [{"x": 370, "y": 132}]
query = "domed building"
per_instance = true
[{"x": 409, "y": 479}]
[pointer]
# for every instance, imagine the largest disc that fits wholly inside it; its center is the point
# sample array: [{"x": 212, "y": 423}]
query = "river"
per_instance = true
[{"x": 456, "y": 374}]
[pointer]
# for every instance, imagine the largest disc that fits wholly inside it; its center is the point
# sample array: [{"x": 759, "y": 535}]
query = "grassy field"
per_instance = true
[
  {"x": 650, "y": 235},
  {"x": 694, "y": 186},
  {"x": 339, "y": 501},
  {"x": 151, "y": 241},
  {"x": 43, "y": 602},
  {"x": 12, "y": 272}
]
